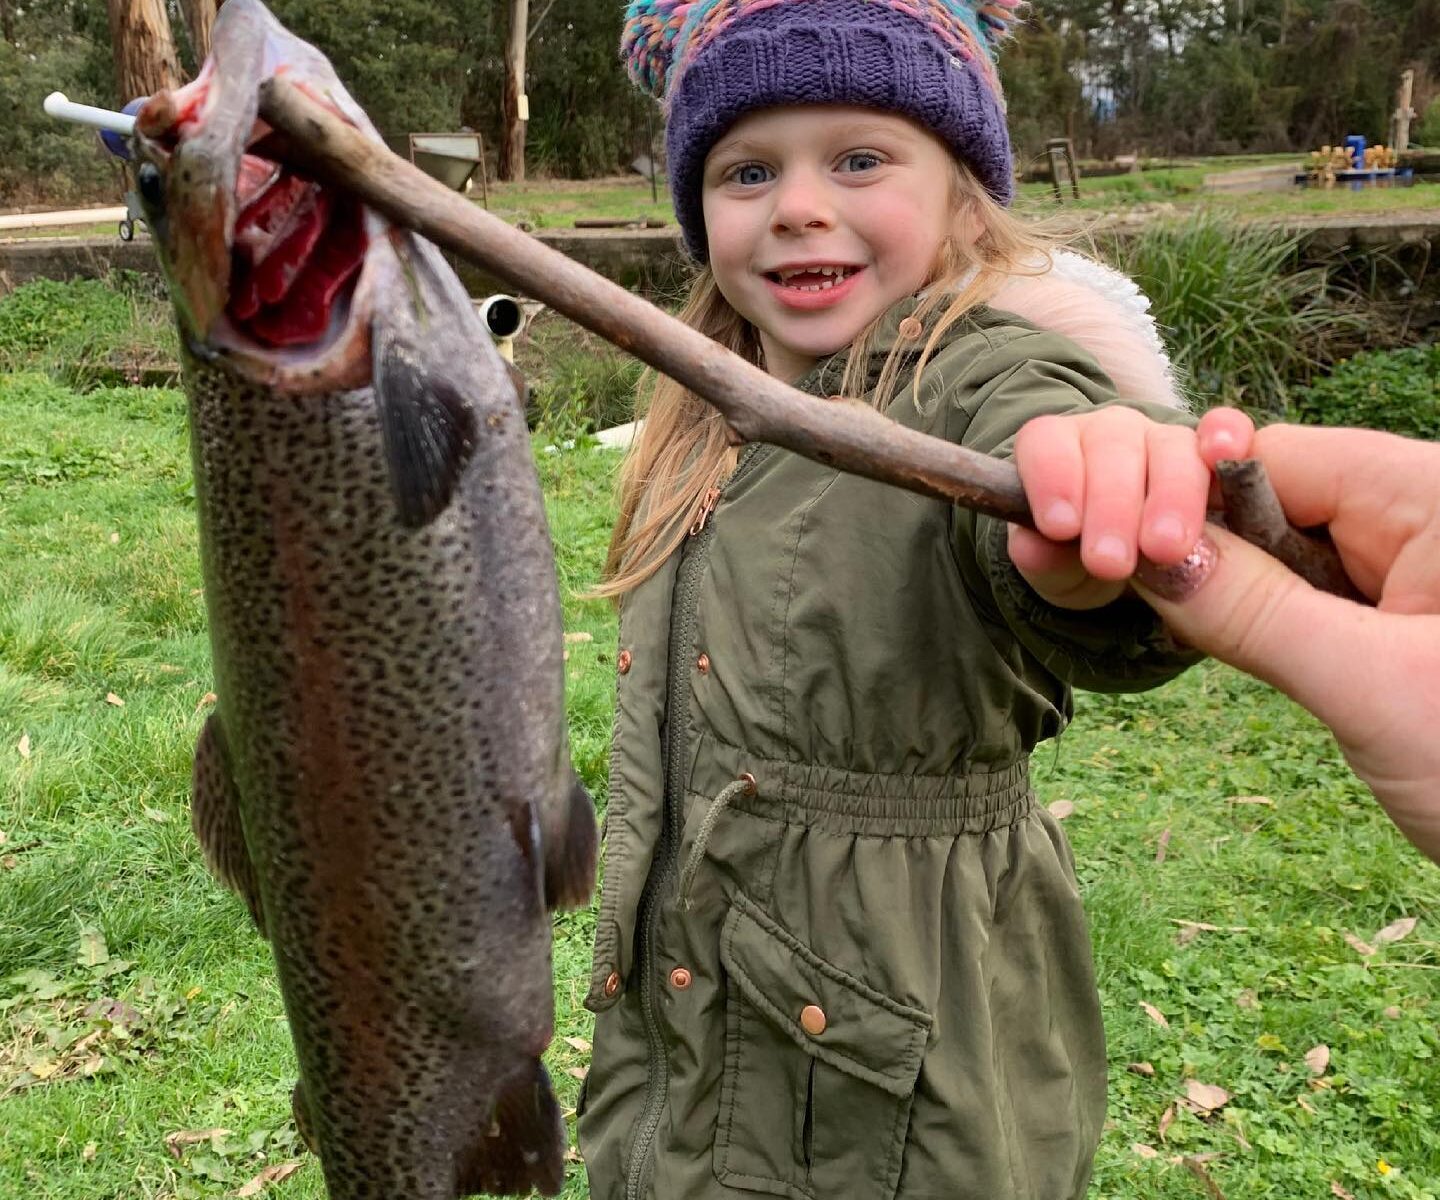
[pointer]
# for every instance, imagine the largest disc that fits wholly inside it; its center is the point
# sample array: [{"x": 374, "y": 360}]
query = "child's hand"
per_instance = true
[{"x": 1125, "y": 486}]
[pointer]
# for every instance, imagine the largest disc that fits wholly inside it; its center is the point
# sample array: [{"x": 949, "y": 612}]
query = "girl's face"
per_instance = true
[{"x": 819, "y": 219}]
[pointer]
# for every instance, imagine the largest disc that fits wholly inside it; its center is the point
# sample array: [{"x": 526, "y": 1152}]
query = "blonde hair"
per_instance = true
[{"x": 682, "y": 451}]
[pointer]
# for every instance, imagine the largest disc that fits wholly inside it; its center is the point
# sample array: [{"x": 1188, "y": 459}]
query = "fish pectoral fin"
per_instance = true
[
  {"x": 429, "y": 431},
  {"x": 571, "y": 845},
  {"x": 215, "y": 818},
  {"x": 522, "y": 1144}
]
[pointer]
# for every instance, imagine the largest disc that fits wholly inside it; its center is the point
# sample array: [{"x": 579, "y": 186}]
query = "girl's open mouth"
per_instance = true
[{"x": 814, "y": 286}]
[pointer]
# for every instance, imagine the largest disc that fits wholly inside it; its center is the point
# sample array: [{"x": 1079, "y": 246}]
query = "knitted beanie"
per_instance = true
[{"x": 712, "y": 61}]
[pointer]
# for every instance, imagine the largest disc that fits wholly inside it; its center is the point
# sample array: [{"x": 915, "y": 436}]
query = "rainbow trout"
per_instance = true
[{"x": 386, "y": 778}]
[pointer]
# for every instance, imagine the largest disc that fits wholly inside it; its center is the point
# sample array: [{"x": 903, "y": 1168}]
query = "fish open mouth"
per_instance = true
[
  {"x": 266, "y": 265},
  {"x": 295, "y": 255}
]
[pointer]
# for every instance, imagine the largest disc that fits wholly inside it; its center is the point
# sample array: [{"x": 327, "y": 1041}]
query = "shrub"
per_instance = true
[
  {"x": 1394, "y": 390},
  {"x": 1427, "y": 132},
  {"x": 1242, "y": 319}
]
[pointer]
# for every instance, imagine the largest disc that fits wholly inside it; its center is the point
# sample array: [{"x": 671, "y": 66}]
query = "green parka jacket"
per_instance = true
[{"x": 840, "y": 951}]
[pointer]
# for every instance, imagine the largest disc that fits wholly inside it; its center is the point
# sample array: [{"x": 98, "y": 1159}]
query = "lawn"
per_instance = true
[{"x": 1267, "y": 944}]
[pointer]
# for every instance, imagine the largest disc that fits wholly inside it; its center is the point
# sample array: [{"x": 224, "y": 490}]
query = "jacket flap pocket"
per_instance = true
[{"x": 830, "y": 1014}]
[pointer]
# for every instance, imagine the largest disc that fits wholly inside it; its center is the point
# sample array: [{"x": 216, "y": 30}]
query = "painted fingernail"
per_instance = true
[{"x": 1179, "y": 581}]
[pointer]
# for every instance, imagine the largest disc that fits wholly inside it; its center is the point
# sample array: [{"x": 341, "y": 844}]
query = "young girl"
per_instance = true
[{"x": 840, "y": 951}]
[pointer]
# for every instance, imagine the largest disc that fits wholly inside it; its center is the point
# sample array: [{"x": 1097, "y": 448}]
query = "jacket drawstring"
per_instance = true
[{"x": 743, "y": 786}]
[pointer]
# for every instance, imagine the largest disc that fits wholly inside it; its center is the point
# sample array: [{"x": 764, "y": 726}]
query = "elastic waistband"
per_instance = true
[{"x": 860, "y": 802}]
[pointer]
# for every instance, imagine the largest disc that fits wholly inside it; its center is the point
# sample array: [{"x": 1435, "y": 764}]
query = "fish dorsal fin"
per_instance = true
[
  {"x": 428, "y": 430},
  {"x": 215, "y": 818}
]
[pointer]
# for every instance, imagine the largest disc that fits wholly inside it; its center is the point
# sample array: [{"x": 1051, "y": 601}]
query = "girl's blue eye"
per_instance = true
[
  {"x": 861, "y": 160},
  {"x": 750, "y": 174}
]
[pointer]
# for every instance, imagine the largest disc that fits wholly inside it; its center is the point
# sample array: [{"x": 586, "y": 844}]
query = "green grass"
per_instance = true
[
  {"x": 556, "y": 204},
  {"x": 136, "y": 1002}
]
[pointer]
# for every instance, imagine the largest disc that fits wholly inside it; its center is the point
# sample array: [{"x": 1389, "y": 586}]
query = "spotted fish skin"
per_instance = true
[{"x": 386, "y": 777}]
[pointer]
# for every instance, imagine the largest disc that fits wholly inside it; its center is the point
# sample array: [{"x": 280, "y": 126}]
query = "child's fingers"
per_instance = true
[
  {"x": 1114, "y": 444},
  {"x": 1055, "y": 572},
  {"x": 1052, "y": 468},
  {"x": 1177, "y": 485},
  {"x": 1224, "y": 433}
]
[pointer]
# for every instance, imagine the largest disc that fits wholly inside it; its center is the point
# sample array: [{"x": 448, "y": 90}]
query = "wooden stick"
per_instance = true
[{"x": 313, "y": 140}]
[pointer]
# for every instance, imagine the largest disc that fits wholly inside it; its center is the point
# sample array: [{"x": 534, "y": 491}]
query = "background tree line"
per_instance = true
[{"x": 1165, "y": 77}]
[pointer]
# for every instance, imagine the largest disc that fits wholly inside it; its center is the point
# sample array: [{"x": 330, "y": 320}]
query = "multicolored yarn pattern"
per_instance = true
[{"x": 663, "y": 35}]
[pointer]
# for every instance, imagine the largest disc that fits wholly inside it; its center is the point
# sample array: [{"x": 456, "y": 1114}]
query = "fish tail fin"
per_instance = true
[
  {"x": 524, "y": 1144},
  {"x": 215, "y": 818},
  {"x": 570, "y": 850}
]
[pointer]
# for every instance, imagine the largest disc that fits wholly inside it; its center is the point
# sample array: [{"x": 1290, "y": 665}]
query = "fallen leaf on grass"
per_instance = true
[
  {"x": 1162, "y": 847},
  {"x": 1337, "y": 1190},
  {"x": 112, "y": 698},
  {"x": 1252, "y": 800},
  {"x": 1247, "y": 999},
  {"x": 1397, "y": 930},
  {"x": 1144, "y": 1151},
  {"x": 1306, "y": 1105},
  {"x": 22, "y": 747},
  {"x": 572, "y": 1155},
  {"x": 276, "y": 1173},
  {"x": 1062, "y": 809},
  {"x": 1197, "y": 1169},
  {"x": 91, "y": 1149},
  {"x": 206, "y": 700},
  {"x": 578, "y": 1043},
  {"x": 1204, "y": 1098},
  {"x": 1155, "y": 1014},
  {"x": 1364, "y": 949},
  {"x": 577, "y": 1072},
  {"x": 177, "y": 1141},
  {"x": 578, "y": 639},
  {"x": 1141, "y": 1068},
  {"x": 9, "y": 863},
  {"x": 154, "y": 814},
  {"x": 1167, "y": 1119},
  {"x": 1394, "y": 1012},
  {"x": 1317, "y": 1058}
]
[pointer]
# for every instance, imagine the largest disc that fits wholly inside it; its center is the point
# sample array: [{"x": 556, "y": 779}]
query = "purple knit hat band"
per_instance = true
[{"x": 737, "y": 56}]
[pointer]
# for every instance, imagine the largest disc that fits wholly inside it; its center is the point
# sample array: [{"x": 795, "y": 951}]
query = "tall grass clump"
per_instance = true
[{"x": 1244, "y": 321}]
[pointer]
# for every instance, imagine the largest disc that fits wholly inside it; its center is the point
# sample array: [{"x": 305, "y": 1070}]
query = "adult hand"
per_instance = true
[{"x": 1372, "y": 675}]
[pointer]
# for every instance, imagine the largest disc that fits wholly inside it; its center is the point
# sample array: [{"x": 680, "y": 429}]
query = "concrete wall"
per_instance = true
[{"x": 652, "y": 261}]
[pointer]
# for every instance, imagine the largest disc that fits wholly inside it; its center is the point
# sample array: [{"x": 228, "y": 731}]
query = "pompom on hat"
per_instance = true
[{"x": 711, "y": 61}]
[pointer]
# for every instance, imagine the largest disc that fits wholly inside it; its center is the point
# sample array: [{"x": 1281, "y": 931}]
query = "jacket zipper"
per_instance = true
[{"x": 694, "y": 554}]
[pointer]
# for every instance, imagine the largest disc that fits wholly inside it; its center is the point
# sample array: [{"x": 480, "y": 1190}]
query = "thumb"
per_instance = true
[{"x": 1236, "y": 603}]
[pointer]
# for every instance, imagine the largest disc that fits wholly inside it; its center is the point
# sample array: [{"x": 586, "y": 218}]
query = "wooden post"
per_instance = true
[
  {"x": 517, "y": 103},
  {"x": 199, "y": 17},
  {"x": 145, "y": 60},
  {"x": 1404, "y": 114}
]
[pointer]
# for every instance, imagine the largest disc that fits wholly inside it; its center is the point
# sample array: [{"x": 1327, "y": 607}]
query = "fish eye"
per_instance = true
[{"x": 152, "y": 187}]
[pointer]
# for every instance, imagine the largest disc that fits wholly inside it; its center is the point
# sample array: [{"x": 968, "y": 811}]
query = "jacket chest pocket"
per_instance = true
[{"x": 820, "y": 1070}]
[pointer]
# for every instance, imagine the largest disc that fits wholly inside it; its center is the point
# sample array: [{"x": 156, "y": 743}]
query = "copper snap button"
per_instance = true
[
  {"x": 624, "y": 661},
  {"x": 680, "y": 979},
  {"x": 702, "y": 664},
  {"x": 751, "y": 787},
  {"x": 812, "y": 1020},
  {"x": 911, "y": 328},
  {"x": 612, "y": 983}
]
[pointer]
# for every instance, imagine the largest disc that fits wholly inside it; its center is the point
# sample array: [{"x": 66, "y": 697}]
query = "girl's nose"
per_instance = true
[{"x": 800, "y": 204}]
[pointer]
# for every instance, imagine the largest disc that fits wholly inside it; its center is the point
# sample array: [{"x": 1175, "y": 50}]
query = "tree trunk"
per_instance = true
[
  {"x": 145, "y": 59},
  {"x": 7, "y": 22},
  {"x": 199, "y": 18},
  {"x": 517, "y": 104}
]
